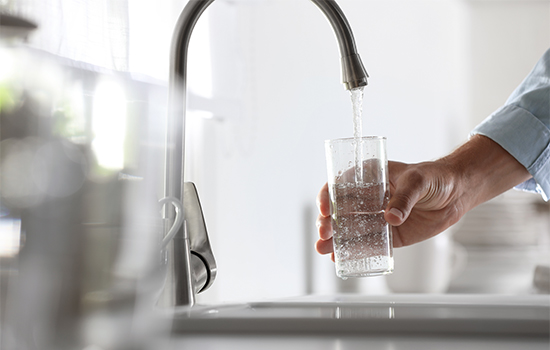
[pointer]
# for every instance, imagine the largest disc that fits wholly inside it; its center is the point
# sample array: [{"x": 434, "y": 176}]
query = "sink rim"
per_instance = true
[{"x": 420, "y": 314}]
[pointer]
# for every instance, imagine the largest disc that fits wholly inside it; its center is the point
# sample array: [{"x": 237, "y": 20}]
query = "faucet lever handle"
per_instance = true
[{"x": 199, "y": 244}]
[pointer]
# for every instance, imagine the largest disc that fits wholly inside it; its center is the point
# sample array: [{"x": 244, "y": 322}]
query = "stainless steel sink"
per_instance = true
[{"x": 395, "y": 314}]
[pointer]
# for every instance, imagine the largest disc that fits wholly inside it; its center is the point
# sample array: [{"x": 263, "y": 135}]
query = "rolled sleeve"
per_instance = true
[
  {"x": 522, "y": 127},
  {"x": 527, "y": 139}
]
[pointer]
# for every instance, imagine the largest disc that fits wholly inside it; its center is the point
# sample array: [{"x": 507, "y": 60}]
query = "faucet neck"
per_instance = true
[
  {"x": 180, "y": 288},
  {"x": 354, "y": 74}
]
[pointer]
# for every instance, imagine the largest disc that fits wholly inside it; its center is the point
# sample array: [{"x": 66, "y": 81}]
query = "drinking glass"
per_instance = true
[{"x": 359, "y": 193}]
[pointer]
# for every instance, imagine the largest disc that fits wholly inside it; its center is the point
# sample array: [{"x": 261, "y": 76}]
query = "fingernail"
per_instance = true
[{"x": 397, "y": 213}]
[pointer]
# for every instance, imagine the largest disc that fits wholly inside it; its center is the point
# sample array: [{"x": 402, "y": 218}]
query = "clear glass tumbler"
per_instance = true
[{"x": 359, "y": 193}]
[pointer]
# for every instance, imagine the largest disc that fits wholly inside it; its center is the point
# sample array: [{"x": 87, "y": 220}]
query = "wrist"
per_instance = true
[{"x": 482, "y": 170}]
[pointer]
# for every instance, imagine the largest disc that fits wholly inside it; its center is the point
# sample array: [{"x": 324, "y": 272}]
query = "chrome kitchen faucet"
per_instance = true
[{"x": 191, "y": 264}]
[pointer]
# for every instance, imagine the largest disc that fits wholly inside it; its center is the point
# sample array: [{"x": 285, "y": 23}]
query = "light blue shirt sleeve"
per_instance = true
[{"x": 522, "y": 127}]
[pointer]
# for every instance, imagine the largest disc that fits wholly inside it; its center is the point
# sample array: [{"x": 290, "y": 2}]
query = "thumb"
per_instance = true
[{"x": 408, "y": 190}]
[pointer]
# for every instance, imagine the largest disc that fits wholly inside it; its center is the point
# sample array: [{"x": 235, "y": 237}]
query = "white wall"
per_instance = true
[
  {"x": 259, "y": 162},
  {"x": 504, "y": 40}
]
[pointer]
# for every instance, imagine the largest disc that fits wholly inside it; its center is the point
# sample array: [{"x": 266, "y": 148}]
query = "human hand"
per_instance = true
[
  {"x": 427, "y": 198},
  {"x": 422, "y": 204}
]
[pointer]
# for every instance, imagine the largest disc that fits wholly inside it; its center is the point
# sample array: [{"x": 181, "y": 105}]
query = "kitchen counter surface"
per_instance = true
[{"x": 345, "y": 342}]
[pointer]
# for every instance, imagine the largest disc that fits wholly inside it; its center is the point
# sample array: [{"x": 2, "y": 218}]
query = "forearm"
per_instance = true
[{"x": 483, "y": 170}]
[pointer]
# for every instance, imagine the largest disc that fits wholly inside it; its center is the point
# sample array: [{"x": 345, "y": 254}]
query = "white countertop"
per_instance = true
[{"x": 349, "y": 342}]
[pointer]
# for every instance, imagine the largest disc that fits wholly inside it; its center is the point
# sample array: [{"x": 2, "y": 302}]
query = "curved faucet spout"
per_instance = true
[
  {"x": 181, "y": 285},
  {"x": 354, "y": 74}
]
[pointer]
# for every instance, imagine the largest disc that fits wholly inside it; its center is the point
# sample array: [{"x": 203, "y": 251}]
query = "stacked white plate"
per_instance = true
[{"x": 514, "y": 218}]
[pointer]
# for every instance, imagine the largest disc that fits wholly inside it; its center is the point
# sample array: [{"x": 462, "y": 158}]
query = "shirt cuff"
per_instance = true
[{"x": 527, "y": 139}]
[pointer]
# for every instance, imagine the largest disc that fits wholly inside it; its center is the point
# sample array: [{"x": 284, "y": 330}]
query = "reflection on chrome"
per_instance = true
[
  {"x": 350, "y": 312},
  {"x": 10, "y": 236}
]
